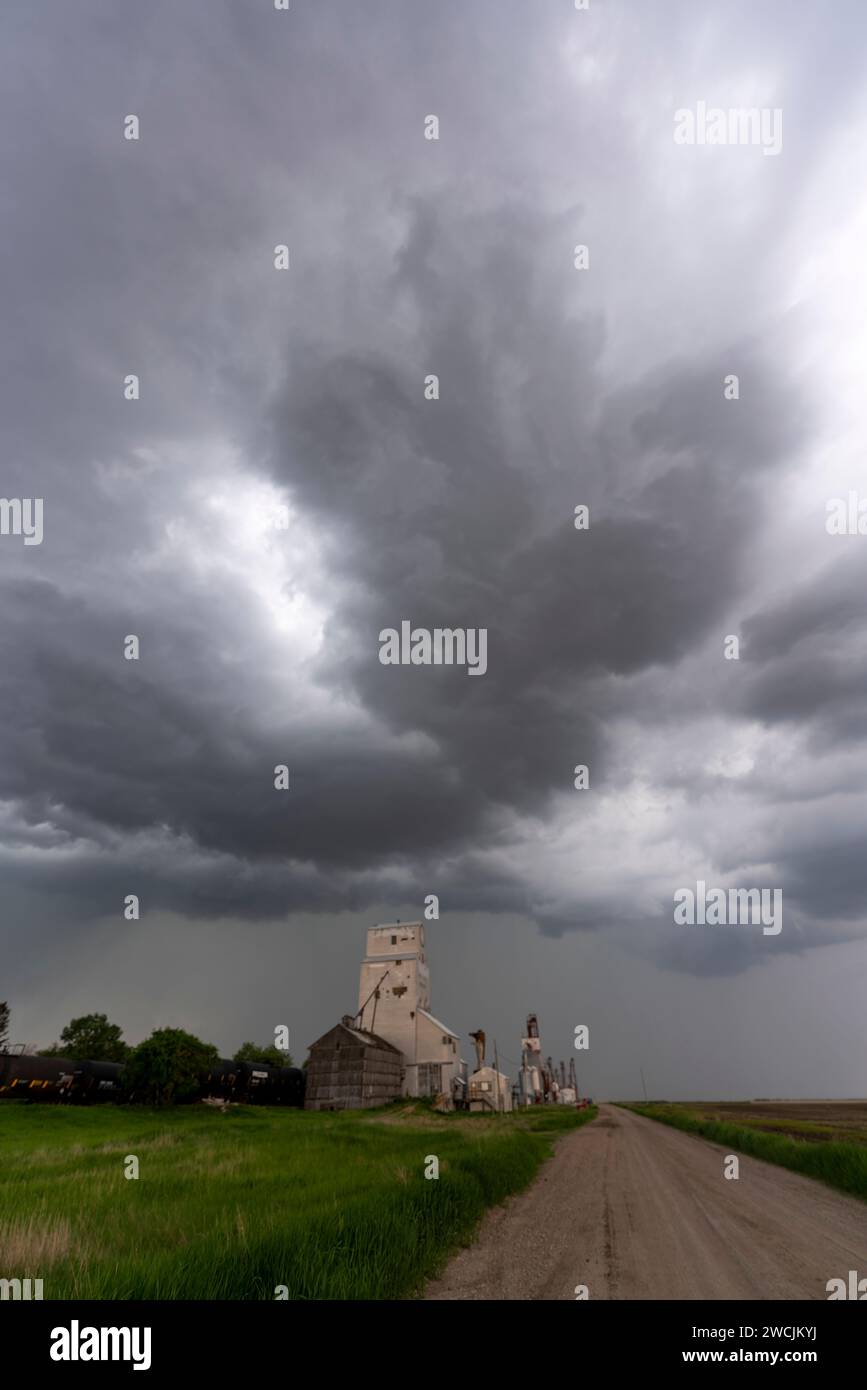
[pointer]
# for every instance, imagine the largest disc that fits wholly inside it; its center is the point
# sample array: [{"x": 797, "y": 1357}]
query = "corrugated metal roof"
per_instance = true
[
  {"x": 442, "y": 1027},
  {"x": 360, "y": 1035}
]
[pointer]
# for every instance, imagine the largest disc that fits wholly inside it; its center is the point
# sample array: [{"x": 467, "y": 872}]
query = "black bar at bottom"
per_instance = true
[{"x": 244, "y": 1339}]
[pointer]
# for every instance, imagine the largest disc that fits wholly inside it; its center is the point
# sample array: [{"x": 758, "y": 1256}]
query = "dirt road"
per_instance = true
[{"x": 635, "y": 1209}]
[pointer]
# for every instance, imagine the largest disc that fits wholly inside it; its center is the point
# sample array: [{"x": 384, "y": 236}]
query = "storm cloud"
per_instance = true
[{"x": 283, "y": 490}]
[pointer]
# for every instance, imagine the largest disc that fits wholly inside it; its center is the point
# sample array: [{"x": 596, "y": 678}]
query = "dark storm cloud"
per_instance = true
[
  {"x": 407, "y": 259},
  {"x": 459, "y": 513},
  {"x": 808, "y": 651},
  {"x": 129, "y": 750}
]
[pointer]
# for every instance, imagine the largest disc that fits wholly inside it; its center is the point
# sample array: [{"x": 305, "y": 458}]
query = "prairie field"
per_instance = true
[
  {"x": 817, "y": 1120},
  {"x": 826, "y": 1140},
  {"x": 236, "y": 1204}
]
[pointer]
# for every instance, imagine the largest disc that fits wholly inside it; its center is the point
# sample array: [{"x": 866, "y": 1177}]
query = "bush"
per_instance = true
[{"x": 167, "y": 1066}]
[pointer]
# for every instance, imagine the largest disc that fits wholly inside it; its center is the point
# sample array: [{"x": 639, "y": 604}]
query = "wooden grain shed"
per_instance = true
[{"x": 351, "y": 1069}]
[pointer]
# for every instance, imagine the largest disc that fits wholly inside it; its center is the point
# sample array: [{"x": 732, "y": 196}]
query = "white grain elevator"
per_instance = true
[{"x": 394, "y": 1003}]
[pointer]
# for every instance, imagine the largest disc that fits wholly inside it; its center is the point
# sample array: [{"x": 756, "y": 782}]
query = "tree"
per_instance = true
[
  {"x": 4, "y": 1026},
  {"x": 90, "y": 1038},
  {"x": 270, "y": 1056},
  {"x": 168, "y": 1065}
]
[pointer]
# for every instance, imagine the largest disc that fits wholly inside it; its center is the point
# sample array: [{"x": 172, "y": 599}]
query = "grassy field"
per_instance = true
[
  {"x": 816, "y": 1120},
  {"x": 822, "y": 1139},
  {"x": 231, "y": 1205}
]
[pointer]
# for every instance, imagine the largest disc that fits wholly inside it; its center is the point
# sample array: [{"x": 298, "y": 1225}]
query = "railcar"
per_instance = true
[
  {"x": 88, "y": 1082},
  {"x": 266, "y": 1085},
  {"x": 34, "y": 1078},
  {"x": 95, "y": 1081},
  {"x": 221, "y": 1079}
]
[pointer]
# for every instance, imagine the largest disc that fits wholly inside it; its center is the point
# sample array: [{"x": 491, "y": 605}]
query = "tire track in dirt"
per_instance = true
[{"x": 636, "y": 1209}]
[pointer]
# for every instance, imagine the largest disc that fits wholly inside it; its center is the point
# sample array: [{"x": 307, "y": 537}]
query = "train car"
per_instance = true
[
  {"x": 265, "y": 1085},
  {"x": 221, "y": 1079},
  {"x": 291, "y": 1083},
  {"x": 88, "y": 1082},
  {"x": 254, "y": 1082},
  {"x": 34, "y": 1078},
  {"x": 95, "y": 1081}
]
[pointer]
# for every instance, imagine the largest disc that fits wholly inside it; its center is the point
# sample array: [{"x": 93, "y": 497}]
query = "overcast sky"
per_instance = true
[{"x": 304, "y": 390}]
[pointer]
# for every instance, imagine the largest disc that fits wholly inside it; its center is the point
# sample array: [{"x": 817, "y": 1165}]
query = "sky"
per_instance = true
[{"x": 283, "y": 491}]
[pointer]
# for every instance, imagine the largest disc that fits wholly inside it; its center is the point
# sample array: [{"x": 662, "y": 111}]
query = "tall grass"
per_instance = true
[
  {"x": 839, "y": 1164},
  {"x": 233, "y": 1205}
]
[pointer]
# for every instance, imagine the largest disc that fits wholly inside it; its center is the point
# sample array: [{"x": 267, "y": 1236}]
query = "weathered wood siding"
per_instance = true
[{"x": 344, "y": 1074}]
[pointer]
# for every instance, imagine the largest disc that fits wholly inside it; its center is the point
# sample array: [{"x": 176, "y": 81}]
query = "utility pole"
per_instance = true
[
  {"x": 497, "y": 1071},
  {"x": 644, "y": 1088}
]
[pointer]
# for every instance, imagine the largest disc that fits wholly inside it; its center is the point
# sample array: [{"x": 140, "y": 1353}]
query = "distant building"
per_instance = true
[
  {"x": 351, "y": 1069},
  {"x": 539, "y": 1081},
  {"x": 530, "y": 1082},
  {"x": 394, "y": 1001},
  {"x": 488, "y": 1089}
]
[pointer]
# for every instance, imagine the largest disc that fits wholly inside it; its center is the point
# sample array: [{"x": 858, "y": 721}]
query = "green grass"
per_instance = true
[
  {"x": 839, "y": 1164},
  {"x": 229, "y": 1206}
]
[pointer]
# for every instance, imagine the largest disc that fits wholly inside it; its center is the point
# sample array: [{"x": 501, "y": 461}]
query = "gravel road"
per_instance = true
[{"x": 634, "y": 1209}]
